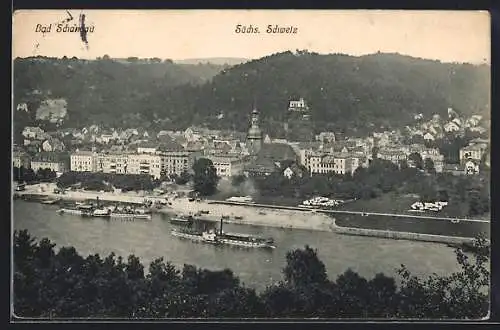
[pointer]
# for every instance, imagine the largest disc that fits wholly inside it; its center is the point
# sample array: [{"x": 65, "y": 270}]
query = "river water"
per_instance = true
[{"x": 256, "y": 268}]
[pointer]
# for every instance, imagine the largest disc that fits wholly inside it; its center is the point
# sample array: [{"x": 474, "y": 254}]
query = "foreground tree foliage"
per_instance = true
[{"x": 51, "y": 284}]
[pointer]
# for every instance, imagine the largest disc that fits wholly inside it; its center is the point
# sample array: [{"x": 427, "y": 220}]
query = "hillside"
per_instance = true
[
  {"x": 345, "y": 93},
  {"x": 213, "y": 60},
  {"x": 102, "y": 90}
]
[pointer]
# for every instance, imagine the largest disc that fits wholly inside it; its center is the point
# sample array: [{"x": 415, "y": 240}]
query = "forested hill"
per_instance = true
[
  {"x": 103, "y": 90},
  {"x": 343, "y": 92}
]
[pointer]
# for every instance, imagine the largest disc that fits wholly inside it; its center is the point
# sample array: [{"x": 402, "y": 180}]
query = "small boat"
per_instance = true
[
  {"x": 51, "y": 201},
  {"x": 104, "y": 212},
  {"x": 182, "y": 220},
  {"x": 141, "y": 211},
  {"x": 84, "y": 210},
  {"x": 238, "y": 217}
]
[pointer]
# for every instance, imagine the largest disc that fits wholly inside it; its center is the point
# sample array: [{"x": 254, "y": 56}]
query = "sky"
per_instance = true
[{"x": 448, "y": 36}]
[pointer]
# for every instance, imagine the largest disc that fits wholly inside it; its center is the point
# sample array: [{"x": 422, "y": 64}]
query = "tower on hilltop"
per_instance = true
[{"x": 254, "y": 137}]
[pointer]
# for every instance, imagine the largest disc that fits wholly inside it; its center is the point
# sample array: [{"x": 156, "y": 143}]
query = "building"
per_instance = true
[
  {"x": 298, "y": 125},
  {"x": 112, "y": 162},
  {"x": 428, "y": 137},
  {"x": 83, "y": 161},
  {"x": 48, "y": 160},
  {"x": 395, "y": 156},
  {"x": 33, "y": 133},
  {"x": 471, "y": 167},
  {"x": 144, "y": 164},
  {"x": 451, "y": 127},
  {"x": 328, "y": 137},
  {"x": 338, "y": 163},
  {"x": 177, "y": 162},
  {"x": 299, "y": 105},
  {"x": 147, "y": 148},
  {"x": 263, "y": 167},
  {"x": 52, "y": 145},
  {"x": 227, "y": 166},
  {"x": 21, "y": 159},
  {"x": 472, "y": 152},
  {"x": 254, "y": 137}
]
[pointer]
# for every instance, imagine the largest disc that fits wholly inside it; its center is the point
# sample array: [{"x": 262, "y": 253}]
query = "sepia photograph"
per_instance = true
[{"x": 250, "y": 164}]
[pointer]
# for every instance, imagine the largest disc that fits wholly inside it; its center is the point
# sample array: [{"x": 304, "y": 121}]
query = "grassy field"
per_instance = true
[
  {"x": 400, "y": 204},
  {"x": 387, "y": 203}
]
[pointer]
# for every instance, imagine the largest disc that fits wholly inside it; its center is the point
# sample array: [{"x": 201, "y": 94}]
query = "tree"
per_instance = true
[
  {"x": 238, "y": 180},
  {"x": 416, "y": 158},
  {"x": 63, "y": 284},
  {"x": 429, "y": 165},
  {"x": 183, "y": 178},
  {"x": 304, "y": 268},
  {"x": 205, "y": 177}
]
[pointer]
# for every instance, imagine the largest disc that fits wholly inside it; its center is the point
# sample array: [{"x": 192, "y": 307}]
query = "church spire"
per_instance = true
[{"x": 254, "y": 137}]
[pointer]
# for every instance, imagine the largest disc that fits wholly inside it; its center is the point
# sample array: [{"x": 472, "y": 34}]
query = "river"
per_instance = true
[{"x": 256, "y": 268}]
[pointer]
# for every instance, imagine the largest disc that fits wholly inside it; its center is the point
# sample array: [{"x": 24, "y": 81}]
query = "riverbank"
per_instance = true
[
  {"x": 400, "y": 235},
  {"x": 255, "y": 214}
]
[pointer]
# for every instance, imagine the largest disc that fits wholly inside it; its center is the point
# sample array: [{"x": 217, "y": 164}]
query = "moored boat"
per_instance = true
[
  {"x": 205, "y": 237},
  {"x": 206, "y": 233},
  {"x": 182, "y": 220},
  {"x": 84, "y": 210},
  {"x": 104, "y": 212},
  {"x": 243, "y": 240},
  {"x": 51, "y": 201}
]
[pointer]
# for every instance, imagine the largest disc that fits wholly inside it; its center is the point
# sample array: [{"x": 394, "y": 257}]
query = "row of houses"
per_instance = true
[
  {"x": 154, "y": 164},
  {"x": 57, "y": 162}
]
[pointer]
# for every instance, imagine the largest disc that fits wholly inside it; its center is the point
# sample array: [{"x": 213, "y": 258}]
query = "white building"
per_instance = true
[
  {"x": 451, "y": 127},
  {"x": 112, "y": 163},
  {"x": 21, "y": 159},
  {"x": 474, "y": 152},
  {"x": 177, "y": 162},
  {"x": 144, "y": 164},
  {"x": 83, "y": 161},
  {"x": 429, "y": 137},
  {"x": 299, "y": 105},
  {"x": 340, "y": 163},
  {"x": 227, "y": 166},
  {"x": 52, "y": 161}
]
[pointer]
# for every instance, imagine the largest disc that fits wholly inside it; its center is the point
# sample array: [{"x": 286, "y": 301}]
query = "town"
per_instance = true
[{"x": 171, "y": 153}]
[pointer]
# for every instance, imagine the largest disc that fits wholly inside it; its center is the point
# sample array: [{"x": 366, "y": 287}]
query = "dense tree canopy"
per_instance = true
[
  {"x": 345, "y": 93},
  {"x": 107, "y": 181},
  {"x": 50, "y": 284},
  {"x": 205, "y": 177}
]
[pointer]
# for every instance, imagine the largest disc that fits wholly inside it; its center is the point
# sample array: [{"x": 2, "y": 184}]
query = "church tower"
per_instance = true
[{"x": 254, "y": 137}]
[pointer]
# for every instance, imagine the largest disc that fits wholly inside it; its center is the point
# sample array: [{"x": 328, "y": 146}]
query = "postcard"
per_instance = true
[{"x": 250, "y": 164}]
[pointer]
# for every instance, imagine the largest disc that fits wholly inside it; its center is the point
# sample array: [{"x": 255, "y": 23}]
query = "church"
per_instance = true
[{"x": 265, "y": 158}]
